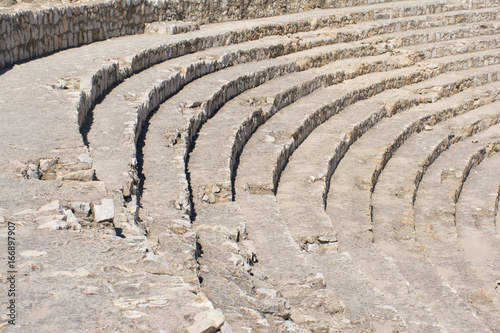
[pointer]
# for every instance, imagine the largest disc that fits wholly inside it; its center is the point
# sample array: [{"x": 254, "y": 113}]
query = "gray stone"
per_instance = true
[
  {"x": 80, "y": 175},
  {"x": 54, "y": 225},
  {"x": 81, "y": 207},
  {"x": 46, "y": 164},
  {"x": 53, "y": 206},
  {"x": 105, "y": 211},
  {"x": 207, "y": 322}
]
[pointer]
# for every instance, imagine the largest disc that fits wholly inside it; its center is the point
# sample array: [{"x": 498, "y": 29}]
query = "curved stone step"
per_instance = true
[
  {"x": 117, "y": 120},
  {"x": 300, "y": 196},
  {"x": 435, "y": 218},
  {"x": 90, "y": 70},
  {"x": 178, "y": 131},
  {"x": 174, "y": 126},
  {"x": 475, "y": 222},
  {"x": 393, "y": 220},
  {"x": 313, "y": 110},
  {"x": 224, "y": 136},
  {"x": 277, "y": 252},
  {"x": 97, "y": 67},
  {"x": 396, "y": 188},
  {"x": 312, "y": 165},
  {"x": 125, "y": 108}
]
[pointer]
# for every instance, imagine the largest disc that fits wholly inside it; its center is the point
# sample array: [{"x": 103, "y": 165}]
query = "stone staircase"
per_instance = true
[{"x": 332, "y": 170}]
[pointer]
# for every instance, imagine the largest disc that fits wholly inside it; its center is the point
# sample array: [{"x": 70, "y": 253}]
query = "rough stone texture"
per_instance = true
[{"x": 321, "y": 171}]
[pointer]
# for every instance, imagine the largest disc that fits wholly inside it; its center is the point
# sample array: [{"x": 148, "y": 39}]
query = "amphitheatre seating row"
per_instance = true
[
  {"x": 312, "y": 165},
  {"x": 175, "y": 80},
  {"x": 475, "y": 221}
]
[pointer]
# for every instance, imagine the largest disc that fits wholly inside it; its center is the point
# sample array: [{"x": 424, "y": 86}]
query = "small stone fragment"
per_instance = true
[
  {"x": 33, "y": 172},
  {"x": 45, "y": 165},
  {"x": 80, "y": 175},
  {"x": 317, "y": 282},
  {"x": 105, "y": 211},
  {"x": 207, "y": 322},
  {"x": 54, "y": 225},
  {"x": 81, "y": 208}
]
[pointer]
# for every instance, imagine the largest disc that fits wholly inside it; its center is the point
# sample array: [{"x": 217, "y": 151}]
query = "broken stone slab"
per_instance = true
[
  {"x": 248, "y": 251},
  {"x": 54, "y": 225},
  {"x": 53, "y": 206},
  {"x": 46, "y": 164},
  {"x": 33, "y": 172},
  {"x": 72, "y": 219},
  {"x": 104, "y": 212},
  {"x": 84, "y": 158},
  {"x": 267, "y": 293},
  {"x": 80, "y": 208},
  {"x": 207, "y": 322},
  {"x": 317, "y": 282},
  {"x": 239, "y": 261},
  {"x": 276, "y": 306},
  {"x": 80, "y": 175}
]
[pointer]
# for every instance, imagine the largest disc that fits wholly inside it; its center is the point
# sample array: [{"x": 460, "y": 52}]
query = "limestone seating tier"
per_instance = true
[
  {"x": 294, "y": 212},
  {"x": 223, "y": 34},
  {"x": 402, "y": 189},
  {"x": 30, "y": 33},
  {"x": 92, "y": 79},
  {"x": 167, "y": 87},
  {"x": 238, "y": 130},
  {"x": 173, "y": 104},
  {"x": 330, "y": 107},
  {"x": 157, "y": 94},
  {"x": 475, "y": 221},
  {"x": 310, "y": 169},
  {"x": 253, "y": 209},
  {"x": 435, "y": 218}
]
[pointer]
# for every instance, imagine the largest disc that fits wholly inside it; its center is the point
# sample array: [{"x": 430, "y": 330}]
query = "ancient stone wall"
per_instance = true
[
  {"x": 231, "y": 10},
  {"x": 28, "y": 34}
]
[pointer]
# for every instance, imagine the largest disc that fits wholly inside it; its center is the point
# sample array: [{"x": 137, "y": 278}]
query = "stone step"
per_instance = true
[
  {"x": 435, "y": 217},
  {"x": 313, "y": 110},
  {"x": 276, "y": 252},
  {"x": 125, "y": 109},
  {"x": 302, "y": 185},
  {"x": 89, "y": 71},
  {"x": 475, "y": 222},
  {"x": 117, "y": 120},
  {"x": 309, "y": 170},
  {"x": 396, "y": 188},
  {"x": 349, "y": 194},
  {"x": 177, "y": 127},
  {"x": 227, "y": 132},
  {"x": 392, "y": 199},
  {"x": 224, "y": 135}
]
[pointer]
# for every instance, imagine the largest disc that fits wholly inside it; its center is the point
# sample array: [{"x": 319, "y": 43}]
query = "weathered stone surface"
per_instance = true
[
  {"x": 81, "y": 175},
  {"x": 207, "y": 322},
  {"x": 54, "y": 225},
  {"x": 105, "y": 211},
  {"x": 187, "y": 232}
]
